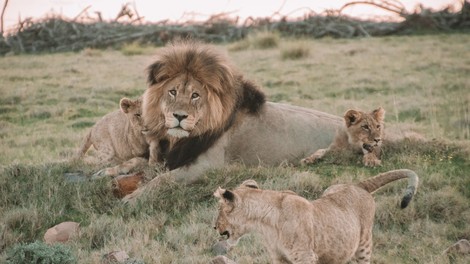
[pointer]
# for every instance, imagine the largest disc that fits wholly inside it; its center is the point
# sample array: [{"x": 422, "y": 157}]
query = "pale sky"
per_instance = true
[{"x": 174, "y": 10}]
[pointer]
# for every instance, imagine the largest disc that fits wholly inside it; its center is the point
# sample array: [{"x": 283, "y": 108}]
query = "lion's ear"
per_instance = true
[
  {"x": 379, "y": 114},
  {"x": 351, "y": 117},
  {"x": 155, "y": 73},
  {"x": 125, "y": 104},
  {"x": 224, "y": 194},
  {"x": 250, "y": 184}
]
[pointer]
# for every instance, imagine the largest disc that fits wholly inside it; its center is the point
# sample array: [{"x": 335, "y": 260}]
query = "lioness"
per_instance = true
[
  {"x": 205, "y": 114},
  {"x": 118, "y": 139},
  {"x": 363, "y": 133},
  {"x": 332, "y": 229}
]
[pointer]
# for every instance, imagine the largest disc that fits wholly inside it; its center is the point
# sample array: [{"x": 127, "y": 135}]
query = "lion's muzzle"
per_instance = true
[
  {"x": 225, "y": 233},
  {"x": 368, "y": 147},
  {"x": 180, "y": 116},
  {"x": 179, "y": 123}
]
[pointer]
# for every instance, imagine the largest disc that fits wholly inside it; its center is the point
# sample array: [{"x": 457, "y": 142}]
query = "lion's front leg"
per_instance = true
[
  {"x": 370, "y": 160},
  {"x": 123, "y": 168},
  {"x": 155, "y": 182},
  {"x": 153, "y": 153},
  {"x": 314, "y": 157},
  {"x": 214, "y": 158}
]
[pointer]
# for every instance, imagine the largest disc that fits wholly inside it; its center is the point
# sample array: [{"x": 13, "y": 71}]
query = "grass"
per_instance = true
[
  {"x": 295, "y": 51},
  {"x": 260, "y": 40},
  {"x": 49, "y": 102}
]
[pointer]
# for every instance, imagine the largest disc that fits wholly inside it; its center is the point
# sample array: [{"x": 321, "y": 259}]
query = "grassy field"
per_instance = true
[{"x": 48, "y": 103}]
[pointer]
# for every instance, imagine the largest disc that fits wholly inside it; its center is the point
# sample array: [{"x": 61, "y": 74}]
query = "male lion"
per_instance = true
[
  {"x": 202, "y": 113},
  {"x": 363, "y": 134},
  {"x": 118, "y": 138},
  {"x": 332, "y": 229}
]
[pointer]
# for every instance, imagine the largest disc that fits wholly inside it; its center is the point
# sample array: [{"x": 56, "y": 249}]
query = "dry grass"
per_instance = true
[
  {"x": 296, "y": 50},
  {"x": 48, "y": 103},
  {"x": 258, "y": 40}
]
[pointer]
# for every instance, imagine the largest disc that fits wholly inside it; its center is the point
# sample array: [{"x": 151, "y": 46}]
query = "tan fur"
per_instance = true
[
  {"x": 118, "y": 139},
  {"x": 362, "y": 133},
  {"x": 333, "y": 229},
  {"x": 272, "y": 135}
]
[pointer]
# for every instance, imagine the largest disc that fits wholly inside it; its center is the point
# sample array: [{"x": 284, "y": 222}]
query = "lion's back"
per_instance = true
[{"x": 280, "y": 133}]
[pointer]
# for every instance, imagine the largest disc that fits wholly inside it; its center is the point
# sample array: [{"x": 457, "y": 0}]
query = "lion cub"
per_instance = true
[
  {"x": 332, "y": 229},
  {"x": 118, "y": 138},
  {"x": 363, "y": 134}
]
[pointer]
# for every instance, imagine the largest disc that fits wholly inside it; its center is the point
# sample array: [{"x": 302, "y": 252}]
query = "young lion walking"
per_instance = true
[{"x": 332, "y": 229}]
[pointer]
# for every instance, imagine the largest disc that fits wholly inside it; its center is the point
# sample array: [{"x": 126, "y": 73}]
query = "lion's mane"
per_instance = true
[{"x": 228, "y": 94}]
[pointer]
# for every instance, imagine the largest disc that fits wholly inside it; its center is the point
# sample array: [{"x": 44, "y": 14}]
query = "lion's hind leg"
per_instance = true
[
  {"x": 314, "y": 157},
  {"x": 364, "y": 251},
  {"x": 303, "y": 257}
]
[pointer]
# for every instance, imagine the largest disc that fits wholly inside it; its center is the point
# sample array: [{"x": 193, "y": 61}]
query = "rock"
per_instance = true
[
  {"x": 222, "y": 260},
  {"x": 220, "y": 247},
  {"x": 115, "y": 257},
  {"x": 461, "y": 247},
  {"x": 74, "y": 177},
  {"x": 61, "y": 232},
  {"x": 126, "y": 184}
]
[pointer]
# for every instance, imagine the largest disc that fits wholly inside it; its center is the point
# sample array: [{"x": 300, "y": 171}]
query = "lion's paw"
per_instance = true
[
  {"x": 370, "y": 160},
  {"x": 99, "y": 174},
  {"x": 132, "y": 197},
  {"x": 309, "y": 160}
]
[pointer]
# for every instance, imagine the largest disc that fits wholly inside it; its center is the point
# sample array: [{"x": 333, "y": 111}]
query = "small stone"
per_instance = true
[
  {"x": 61, "y": 232},
  {"x": 460, "y": 247},
  {"x": 220, "y": 247},
  {"x": 222, "y": 260},
  {"x": 115, "y": 257}
]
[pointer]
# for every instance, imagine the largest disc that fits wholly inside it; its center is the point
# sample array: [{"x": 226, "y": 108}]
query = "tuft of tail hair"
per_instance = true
[{"x": 373, "y": 184}]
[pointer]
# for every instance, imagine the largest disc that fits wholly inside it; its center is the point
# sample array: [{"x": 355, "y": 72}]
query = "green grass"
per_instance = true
[{"x": 48, "y": 103}]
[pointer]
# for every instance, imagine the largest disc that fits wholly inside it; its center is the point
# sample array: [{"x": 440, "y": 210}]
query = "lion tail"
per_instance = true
[
  {"x": 86, "y": 144},
  {"x": 373, "y": 184}
]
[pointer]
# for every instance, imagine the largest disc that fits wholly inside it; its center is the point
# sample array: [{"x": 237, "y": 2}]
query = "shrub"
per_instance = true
[
  {"x": 133, "y": 48},
  {"x": 295, "y": 51},
  {"x": 264, "y": 40},
  {"x": 40, "y": 253}
]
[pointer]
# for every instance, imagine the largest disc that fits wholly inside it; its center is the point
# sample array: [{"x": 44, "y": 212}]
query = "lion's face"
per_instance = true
[
  {"x": 193, "y": 90},
  {"x": 184, "y": 104},
  {"x": 365, "y": 130},
  {"x": 230, "y": 220},
  {"x": 133, "y": 111}
]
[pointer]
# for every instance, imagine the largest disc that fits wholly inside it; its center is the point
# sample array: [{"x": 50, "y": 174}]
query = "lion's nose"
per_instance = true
[
  {"x": 225, "y": 233},
  {"x": 180, "y": 116}
]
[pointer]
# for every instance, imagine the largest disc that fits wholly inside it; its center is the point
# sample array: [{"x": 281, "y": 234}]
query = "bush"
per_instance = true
[
  {"x": 295, "y": 51},
  {"x": 264, "y": 40},
  {"x": 40, "y": 253}
]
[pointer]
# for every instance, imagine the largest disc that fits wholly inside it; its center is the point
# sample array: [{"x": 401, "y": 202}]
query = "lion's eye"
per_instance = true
[
  {"x": 195, "y": 96},
  {"x": 172, "y": 92},
  {"x": 137, "y": 115},
  {"x": 378, "y": 126},
  {"x": 365, "y": 127}
]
